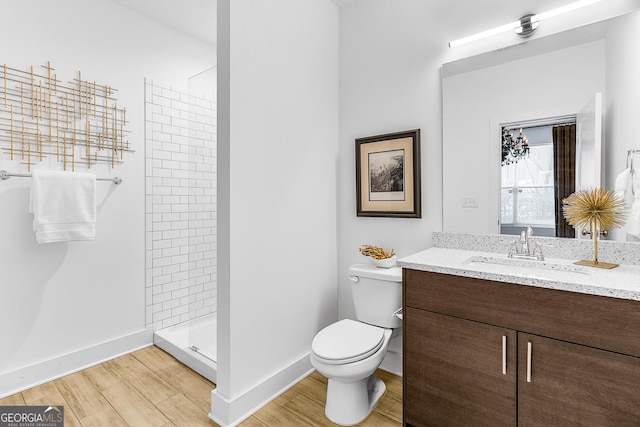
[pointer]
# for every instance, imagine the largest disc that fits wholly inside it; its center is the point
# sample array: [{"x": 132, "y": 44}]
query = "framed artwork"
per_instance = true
[{"x": 388, "y": 175}]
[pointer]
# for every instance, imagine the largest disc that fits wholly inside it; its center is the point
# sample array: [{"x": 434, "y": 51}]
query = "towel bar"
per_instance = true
[{"x": 4, "y": 175}]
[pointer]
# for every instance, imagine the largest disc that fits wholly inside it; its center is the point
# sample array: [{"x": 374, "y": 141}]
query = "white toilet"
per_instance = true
[{"x": 348, "y": 352}]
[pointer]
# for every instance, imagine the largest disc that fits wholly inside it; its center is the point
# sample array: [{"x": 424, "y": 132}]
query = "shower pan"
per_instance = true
[{"x": 182, "y": 340}]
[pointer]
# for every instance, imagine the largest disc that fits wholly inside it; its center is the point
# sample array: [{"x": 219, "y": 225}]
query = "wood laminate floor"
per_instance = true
[{"x": 151, "y": 388}]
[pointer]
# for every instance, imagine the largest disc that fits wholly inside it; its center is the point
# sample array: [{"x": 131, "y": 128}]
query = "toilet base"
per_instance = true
[{"x": 349, "y": 403}]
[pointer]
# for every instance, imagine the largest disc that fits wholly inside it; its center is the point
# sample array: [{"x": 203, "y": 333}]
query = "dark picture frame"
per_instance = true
[{"x": 388, "y": 175}]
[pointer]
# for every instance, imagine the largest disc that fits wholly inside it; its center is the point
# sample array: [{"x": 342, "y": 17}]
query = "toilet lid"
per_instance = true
[{"x": 347, "y": 341}]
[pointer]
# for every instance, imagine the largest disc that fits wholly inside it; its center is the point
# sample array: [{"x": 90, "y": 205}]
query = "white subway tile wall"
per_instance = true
[{"x": 180, "y": 205}]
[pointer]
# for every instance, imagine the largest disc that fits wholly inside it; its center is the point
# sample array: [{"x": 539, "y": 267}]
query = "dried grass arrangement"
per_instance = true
[
  {"x": 376, "y": 252},
  {"x": 597, "y": 209},
  {"x": 380, "y": 257}
]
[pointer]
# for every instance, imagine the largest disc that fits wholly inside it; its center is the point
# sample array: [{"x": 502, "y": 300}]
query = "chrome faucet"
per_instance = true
[{"x": 523, "y": 248}]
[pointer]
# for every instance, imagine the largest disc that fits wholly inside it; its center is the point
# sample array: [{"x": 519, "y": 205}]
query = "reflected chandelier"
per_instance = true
[{"x": 513, "y": 149}]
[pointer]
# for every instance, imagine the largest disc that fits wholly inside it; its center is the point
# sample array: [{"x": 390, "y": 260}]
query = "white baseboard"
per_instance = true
[
  {"x": 392, "y": 362},
  {"x": 230, "y": 412},
  {"x": 51, "y": 369}
]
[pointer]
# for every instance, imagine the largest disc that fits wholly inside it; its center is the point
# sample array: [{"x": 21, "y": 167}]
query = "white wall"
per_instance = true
[
  {"x": 66, "y": 297},
  {"x": 277, "y": 155},
  {"x": 390, "y": 58}
]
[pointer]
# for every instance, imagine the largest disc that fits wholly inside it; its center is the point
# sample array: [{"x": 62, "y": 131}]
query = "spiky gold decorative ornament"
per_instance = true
[{"x": 597, "y": 209}]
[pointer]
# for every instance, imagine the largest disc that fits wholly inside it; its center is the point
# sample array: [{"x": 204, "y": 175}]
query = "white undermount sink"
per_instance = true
[{"x": 527, "y": 268}]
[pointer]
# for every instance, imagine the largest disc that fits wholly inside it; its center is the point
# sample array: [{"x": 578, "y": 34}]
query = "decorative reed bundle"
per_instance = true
[
  {"x": 376, "y": 252},
  {"x": 597, "y": 209}
]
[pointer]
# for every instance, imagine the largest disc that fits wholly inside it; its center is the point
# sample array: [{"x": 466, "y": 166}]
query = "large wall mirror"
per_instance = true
[{"x": 588, "y": 75}]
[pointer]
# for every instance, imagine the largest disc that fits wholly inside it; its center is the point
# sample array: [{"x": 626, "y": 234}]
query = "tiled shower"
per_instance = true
[{"x": 181, "y": 300}]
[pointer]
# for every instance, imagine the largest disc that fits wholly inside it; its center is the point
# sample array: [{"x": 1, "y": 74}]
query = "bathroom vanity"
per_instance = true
[{"x": 490, "y": 341}]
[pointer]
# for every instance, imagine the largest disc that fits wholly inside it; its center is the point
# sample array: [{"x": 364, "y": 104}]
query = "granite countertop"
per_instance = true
[{"x": 552, "y": 273}]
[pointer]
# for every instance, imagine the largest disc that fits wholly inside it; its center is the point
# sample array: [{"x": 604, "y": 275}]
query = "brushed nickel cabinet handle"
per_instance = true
[
  {"x": 504, "y": 355},
  {"x": 529, "y": 362}
]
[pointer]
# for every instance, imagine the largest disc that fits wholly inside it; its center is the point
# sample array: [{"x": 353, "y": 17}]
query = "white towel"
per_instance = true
[
  {"x": 623, "y": 186},
  {"x": 633, "y": 223},
  {"x": 63, "y": 206}
]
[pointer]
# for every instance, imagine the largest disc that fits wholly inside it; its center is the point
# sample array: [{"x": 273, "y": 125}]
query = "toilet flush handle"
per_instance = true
[{"x": 355, "y": 279}]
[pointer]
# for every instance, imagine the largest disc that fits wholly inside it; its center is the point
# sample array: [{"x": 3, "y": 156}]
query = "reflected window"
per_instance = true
[
  {"x": 527, "y": 191},
  {"x": 534, "y": 183}
]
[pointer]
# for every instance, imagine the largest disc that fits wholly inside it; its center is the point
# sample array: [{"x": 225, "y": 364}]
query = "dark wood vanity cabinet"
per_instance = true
[
  {"x": 576, "y": 385},
  {"x": 484, "y": 353},
  {"x": 451, "y": 367}
]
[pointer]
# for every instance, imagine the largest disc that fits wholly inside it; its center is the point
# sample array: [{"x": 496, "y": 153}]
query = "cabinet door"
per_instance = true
[
  {"x": 453, "y": 372},
  {"x": 575, "y": 385}
]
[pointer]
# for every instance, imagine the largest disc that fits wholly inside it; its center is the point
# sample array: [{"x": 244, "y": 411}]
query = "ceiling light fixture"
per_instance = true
[{"x": 526, "y": 25}]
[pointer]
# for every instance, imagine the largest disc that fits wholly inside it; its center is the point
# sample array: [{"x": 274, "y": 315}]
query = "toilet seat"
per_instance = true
[{"x": 347, "y": 341}]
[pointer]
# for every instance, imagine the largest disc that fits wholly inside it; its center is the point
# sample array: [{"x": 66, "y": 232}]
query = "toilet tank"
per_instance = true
[{"x": 377, "y": 294}]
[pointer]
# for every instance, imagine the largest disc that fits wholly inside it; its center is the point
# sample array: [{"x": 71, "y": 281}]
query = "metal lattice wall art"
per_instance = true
[{"x": 78, "y": 122}]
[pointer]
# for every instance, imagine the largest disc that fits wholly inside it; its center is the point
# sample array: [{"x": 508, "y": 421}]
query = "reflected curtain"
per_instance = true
[{"x": 564, "y": 166}]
